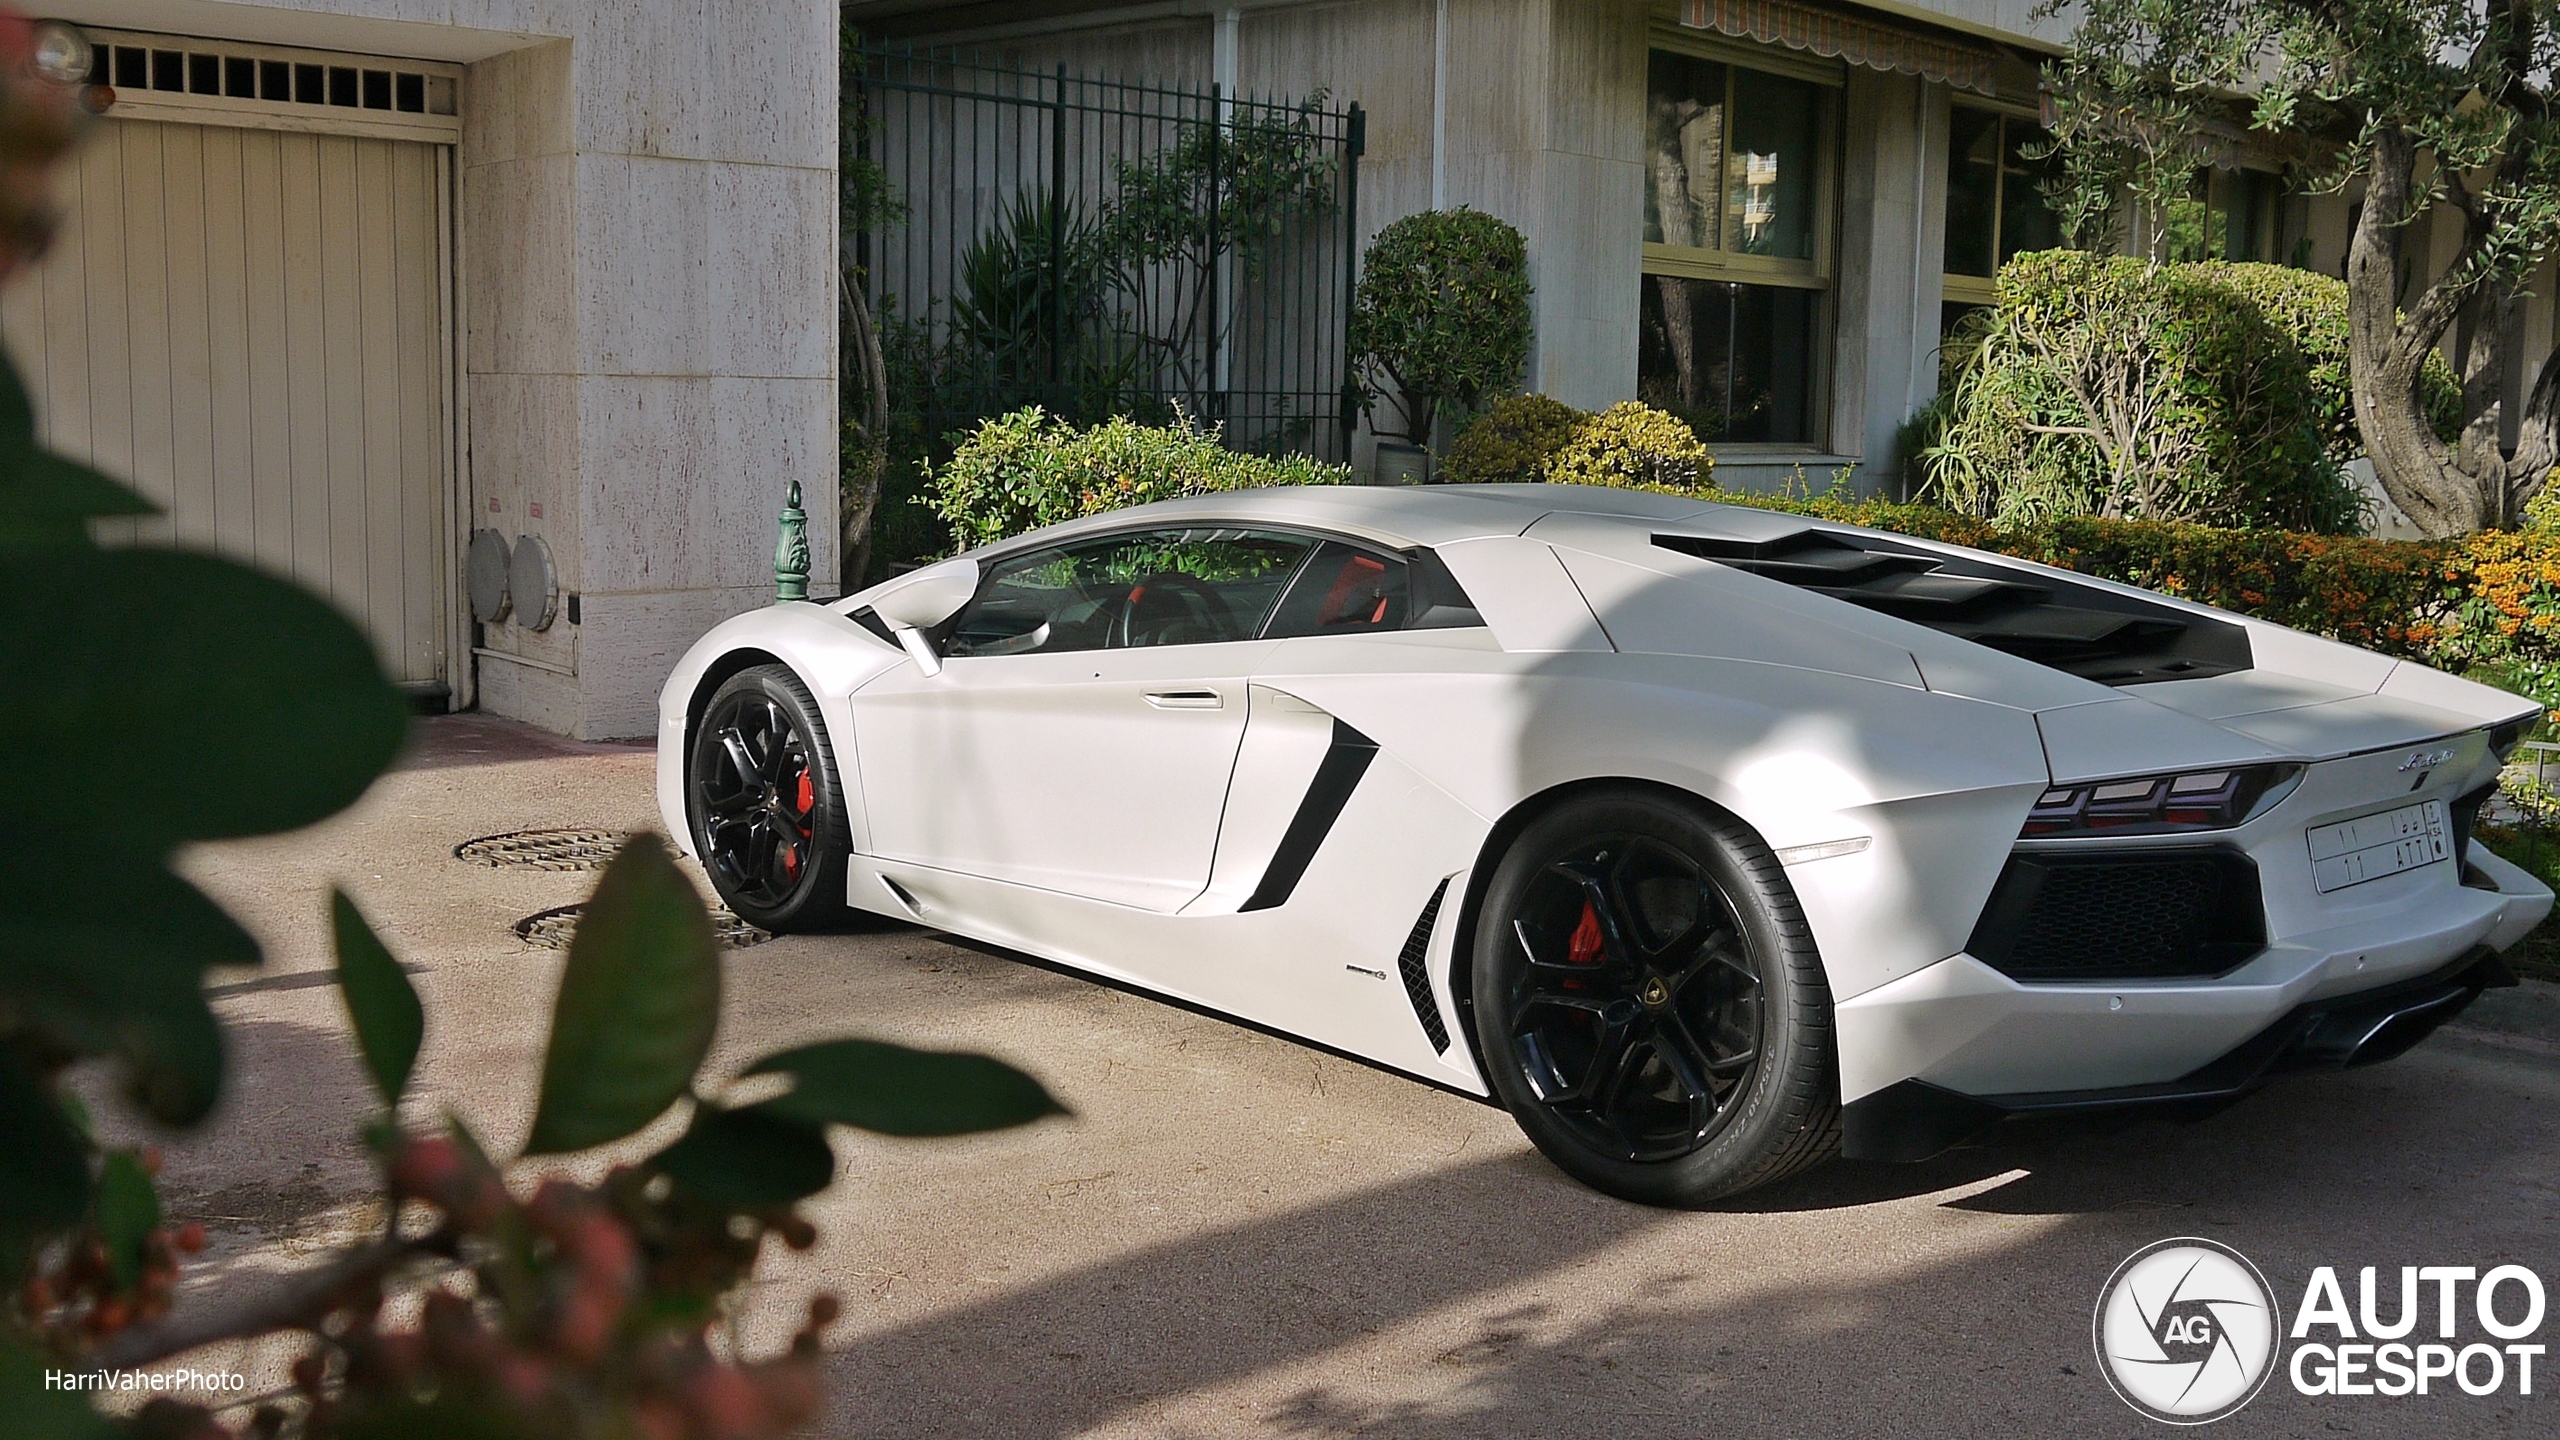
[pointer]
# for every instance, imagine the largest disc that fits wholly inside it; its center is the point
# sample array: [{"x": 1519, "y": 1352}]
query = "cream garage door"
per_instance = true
[{"x": 249, "y": 324}]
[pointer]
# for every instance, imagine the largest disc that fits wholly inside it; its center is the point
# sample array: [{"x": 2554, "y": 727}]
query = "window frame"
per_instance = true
[
  {"x": 1956, "y": 289},
  {"x": 2227, "y": 188},
  {"x": 1695, "y": 262},
  {"x": 1819, "y": 274}
]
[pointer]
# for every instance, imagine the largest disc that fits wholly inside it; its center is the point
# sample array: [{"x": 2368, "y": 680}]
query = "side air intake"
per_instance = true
[{"x": 1417, "y": 979}]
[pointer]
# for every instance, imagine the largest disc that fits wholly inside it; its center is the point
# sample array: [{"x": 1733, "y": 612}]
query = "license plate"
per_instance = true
[{"x": 2372, "y": 846}]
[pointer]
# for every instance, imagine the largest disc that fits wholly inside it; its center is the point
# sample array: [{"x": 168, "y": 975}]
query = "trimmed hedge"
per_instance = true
[
  {"x": 1531, "y": 439},
  {"x": 2312, "y": 308},
  {"x": 1027, "y": 469},
  {"x": 1442, "y": 311},
  {"x": 2107, "y": 385}
]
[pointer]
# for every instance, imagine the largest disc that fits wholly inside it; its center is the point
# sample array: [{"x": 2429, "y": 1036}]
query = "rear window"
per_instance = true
[{"x": 1350, "y": 590}]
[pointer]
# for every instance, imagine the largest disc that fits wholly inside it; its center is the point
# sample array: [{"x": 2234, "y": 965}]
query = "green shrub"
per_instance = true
[
  {"x": 1531, "y": 439},
  {"x": 2312, "y": 308},
  {"x": 1021, "y": 471},
  {"x": 1631, "y": 443},
  {"x": 1442, "y": 311},
  {"x": 1512, "y": 442},
  {"x": 2107, "y": 386}
]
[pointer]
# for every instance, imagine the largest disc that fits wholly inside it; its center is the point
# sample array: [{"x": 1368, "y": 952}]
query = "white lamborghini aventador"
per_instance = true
[{"x": 1710, "y": 841}]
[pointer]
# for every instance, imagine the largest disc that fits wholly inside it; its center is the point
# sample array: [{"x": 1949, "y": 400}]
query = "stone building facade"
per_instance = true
[{"x": 569, "y": 281}]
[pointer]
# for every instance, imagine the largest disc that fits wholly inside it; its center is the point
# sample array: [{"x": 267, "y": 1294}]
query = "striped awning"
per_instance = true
[{"x": 1860, "y": 42}]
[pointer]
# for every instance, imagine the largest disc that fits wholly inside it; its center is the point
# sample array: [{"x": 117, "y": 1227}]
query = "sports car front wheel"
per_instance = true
[
  {"x": 1650, "y": 1004},
  {"x": 768, "y": 815}
]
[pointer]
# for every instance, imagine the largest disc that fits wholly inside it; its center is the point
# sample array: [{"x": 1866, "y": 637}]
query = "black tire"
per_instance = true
[
  {"x": 1650, "y": 1004},
  {"x": 758, "y": 753}
]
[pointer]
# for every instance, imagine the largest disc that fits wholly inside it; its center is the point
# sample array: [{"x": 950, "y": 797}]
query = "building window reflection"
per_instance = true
[{"x": 1736, "y": 228}]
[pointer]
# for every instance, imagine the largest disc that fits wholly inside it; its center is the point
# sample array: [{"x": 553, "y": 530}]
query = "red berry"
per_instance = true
[
  {"x": 653, "y": 1418},
  {"x": 424, "y": 1166},
  {"x": 189, "y": 1238},
  {"x": 726, "y": 1404},
  {"x": 791, "y": 1393},
  {"x": 526, "y": 1380}
]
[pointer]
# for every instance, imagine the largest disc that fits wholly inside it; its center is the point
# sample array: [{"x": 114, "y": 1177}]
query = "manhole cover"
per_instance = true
[
  {"x": 543, "y": 849},
  {"x": 551, "y": 929}
]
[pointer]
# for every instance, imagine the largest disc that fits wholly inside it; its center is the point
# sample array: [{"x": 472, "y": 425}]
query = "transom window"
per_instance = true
[
  {"x": 1995, "y": 208},
  {"x": 1737, "y": 223}
]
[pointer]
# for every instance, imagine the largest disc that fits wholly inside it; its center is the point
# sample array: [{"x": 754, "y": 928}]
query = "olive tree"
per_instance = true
[{"x": 2418, "y": 102}]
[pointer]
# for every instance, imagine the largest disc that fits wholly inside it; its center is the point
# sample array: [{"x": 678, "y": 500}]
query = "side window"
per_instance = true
[
  {"x": 1345, "y": 591},
  {"x": 1196, "y": 586}
]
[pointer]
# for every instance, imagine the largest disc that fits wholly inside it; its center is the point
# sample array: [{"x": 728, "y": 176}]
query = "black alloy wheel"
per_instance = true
[
  {"x": 1650, "y": 1004},
  {"x": 1636, "y": 1006},
  {"x": 768, "y": 815}
]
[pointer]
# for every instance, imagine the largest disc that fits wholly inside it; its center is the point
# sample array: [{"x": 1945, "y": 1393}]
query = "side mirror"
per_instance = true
[{"x": 915, "y": 603}]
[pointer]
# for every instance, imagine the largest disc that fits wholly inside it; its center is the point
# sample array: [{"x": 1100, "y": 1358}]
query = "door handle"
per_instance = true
[{"x": 1186, "y": 699}]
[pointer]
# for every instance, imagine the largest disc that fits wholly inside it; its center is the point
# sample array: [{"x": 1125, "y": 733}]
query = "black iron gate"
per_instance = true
[{"x": 1099, "y": 247}]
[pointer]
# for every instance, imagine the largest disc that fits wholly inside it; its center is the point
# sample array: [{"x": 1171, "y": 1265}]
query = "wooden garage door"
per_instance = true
[{"x": 249, "y": 325}]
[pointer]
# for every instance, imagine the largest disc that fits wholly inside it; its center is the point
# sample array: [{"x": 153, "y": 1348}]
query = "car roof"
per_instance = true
[{"x": 1395, "y": 514}]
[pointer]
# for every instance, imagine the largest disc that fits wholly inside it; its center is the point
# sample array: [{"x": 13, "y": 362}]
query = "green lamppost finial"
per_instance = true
[{"x": 791, "y": 552}]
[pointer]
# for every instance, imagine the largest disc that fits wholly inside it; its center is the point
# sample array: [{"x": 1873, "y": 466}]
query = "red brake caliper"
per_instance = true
[
  {"x": 802, "y": 801},
  {"x": 1585, "y": 945}
]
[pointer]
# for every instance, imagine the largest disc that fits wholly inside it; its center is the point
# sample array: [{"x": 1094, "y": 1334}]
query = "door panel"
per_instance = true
[{"x": 1098, "y": 773}]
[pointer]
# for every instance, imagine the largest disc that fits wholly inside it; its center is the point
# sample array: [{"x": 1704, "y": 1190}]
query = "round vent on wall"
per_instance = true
[
  {"x": 486, "y": 576},
  {"x": 533, "y": 584}
]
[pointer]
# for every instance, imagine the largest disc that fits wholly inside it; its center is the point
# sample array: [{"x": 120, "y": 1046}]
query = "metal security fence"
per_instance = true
[{"x": 1099, "y": 248}]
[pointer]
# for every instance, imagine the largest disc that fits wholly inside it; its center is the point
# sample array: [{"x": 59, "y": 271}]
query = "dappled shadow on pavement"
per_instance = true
[
  {"x": 1495, "y": 1299},
  {"x": 442, "y": 742}
]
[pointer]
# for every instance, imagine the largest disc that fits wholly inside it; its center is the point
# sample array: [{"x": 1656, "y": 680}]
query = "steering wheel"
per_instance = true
[{"x": 1128, "y": 628}]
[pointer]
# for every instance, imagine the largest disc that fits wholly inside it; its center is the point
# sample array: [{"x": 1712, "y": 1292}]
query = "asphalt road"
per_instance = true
[{"x": 1239, "y": 1236}]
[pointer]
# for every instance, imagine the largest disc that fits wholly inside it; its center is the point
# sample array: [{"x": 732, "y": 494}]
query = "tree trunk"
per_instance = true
[
  {"x": 858, "y": 501},
  {"x": 2386, "y": 354},
  {"x": 2477, "y": 482}
]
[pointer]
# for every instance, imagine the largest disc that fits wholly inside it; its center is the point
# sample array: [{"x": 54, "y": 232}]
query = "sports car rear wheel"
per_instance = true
[
  {"x": 768, "y": 816},
  {"x": 1650, "y": 1004}
]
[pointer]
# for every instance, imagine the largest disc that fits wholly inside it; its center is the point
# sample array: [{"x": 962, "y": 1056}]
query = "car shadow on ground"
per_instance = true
[{"x": 1493, "y": 1299}]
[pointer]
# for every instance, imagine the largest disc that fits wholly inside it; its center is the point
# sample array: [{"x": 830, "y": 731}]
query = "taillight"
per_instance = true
[
  {"x": 2504, "y": 739},
  {"x": 2161, "y": 804}
]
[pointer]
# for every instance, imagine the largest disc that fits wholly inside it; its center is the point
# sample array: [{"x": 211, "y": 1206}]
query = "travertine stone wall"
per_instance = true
[{"x": 645, "y": 303}]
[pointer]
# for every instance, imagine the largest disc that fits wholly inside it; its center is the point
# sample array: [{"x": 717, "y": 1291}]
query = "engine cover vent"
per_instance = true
[{"x": 2082, "y": 630}]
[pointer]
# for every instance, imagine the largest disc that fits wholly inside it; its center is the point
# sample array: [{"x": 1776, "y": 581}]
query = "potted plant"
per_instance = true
[{"x": 1442, "y": 316}]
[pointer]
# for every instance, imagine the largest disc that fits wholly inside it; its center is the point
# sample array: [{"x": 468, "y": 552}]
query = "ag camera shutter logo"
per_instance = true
[{"x": 2186, "y": 1330}]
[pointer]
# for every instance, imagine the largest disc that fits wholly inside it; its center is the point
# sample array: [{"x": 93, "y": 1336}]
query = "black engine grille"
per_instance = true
[{"x": 2121, "y": 915}]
